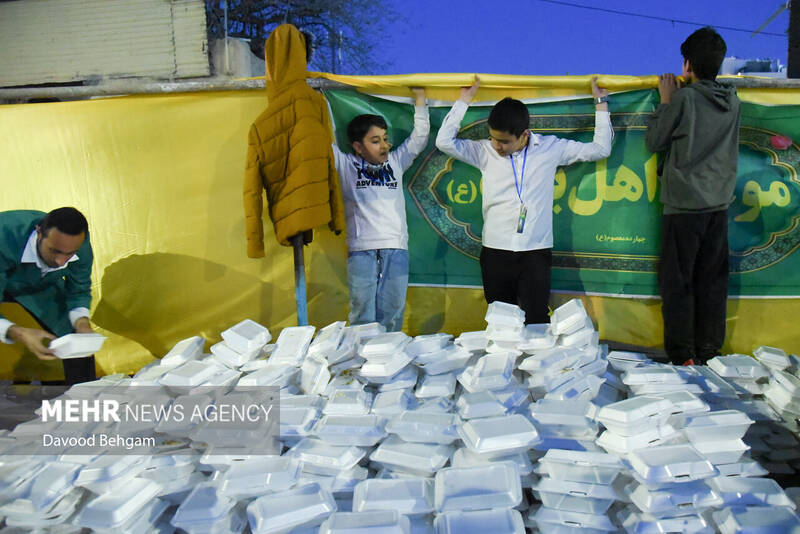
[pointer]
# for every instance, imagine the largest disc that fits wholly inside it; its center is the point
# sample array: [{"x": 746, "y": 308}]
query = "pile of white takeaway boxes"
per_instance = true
[{"x": 517, "y": 428}]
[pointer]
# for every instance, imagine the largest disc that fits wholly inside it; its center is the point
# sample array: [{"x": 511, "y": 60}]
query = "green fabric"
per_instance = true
[
  {"x": 699, "y": 131},
  {"x": 48, "y": 298}
]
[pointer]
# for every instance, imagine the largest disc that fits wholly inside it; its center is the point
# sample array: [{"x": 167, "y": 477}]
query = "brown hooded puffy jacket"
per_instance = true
[{"x": 289, "y": 151}]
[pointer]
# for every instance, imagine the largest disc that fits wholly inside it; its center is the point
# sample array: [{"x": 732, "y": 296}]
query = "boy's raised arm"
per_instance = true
[
  {"x": 600, "y": 147},
  {"x": 447, "y": 141},
  {"x": 418, "y": 138},
  {"x": 663, "y": 121}
]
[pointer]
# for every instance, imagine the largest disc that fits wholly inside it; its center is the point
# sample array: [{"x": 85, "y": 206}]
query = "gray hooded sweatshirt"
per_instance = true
[{"x": 699, "y": 131}]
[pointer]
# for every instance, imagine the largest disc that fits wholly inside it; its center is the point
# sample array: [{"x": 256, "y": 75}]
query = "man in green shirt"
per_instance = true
[{"x": 46, "y": 266}]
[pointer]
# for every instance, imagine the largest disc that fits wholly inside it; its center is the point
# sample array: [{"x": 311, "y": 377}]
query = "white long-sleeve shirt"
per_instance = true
[
  {"x": 501, "y": 204},
  {"x": 374, "y": 203}
]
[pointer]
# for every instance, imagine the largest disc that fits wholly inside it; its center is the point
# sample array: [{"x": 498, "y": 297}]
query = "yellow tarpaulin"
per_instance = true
[{"x": 160, "y": 180}]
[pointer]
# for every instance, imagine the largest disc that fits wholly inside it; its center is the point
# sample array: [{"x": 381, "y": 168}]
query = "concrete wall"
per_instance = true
[{"x": 44, "y": 41}]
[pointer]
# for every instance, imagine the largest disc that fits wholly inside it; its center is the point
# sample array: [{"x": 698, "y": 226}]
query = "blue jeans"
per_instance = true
[{"x": 378, "y": 280}]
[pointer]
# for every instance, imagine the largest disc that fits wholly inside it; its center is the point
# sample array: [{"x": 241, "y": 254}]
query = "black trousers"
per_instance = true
[
  {"x": 693, "y": 282},
  {"x": 76, "y": 370},
  {"x": 521, "y": 278}
]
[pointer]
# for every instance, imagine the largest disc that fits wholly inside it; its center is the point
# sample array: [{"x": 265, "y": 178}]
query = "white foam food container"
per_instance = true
[
  {"x": 443, "y": 385},
  {"x": 426, "y": 343},
  {"x": 323, "y": 458},
  {"x": 191, "y": 374},
  {"x": 272, "y": 375},
  {"x": 49, "y": 484},
  {"x": 515, "y": 397},
  {"x": 579, "y": 388},
  {"x": 184, "y": 350},
  {"x": 745, "y": 467},
  {"x": 113, "y": 509},
  {"x": 712, "y": 383},
  {"x": 635, "y": 522},
  {"x": 537, "y": 337},
  {"x": 246, "y": 336},
  {"x": 651, "y": 437},
  {"x": 575, "y": 496},
  {"x": 548, "y": 519},
  {"x": 346, "y": 349},
  {"x": 259, "y": 475},
  {"x": 366, "y": 331},
  {"x": 499, "y": 436},
  {"x": 781, "y": 400},
  {"x": 568, "y": 317},
  {"x": 107, "y": 467},
  {"x": 675, "y": 500},
  {"x": 685, "y": 403},
  {"x": 423, "y": 457},
  {"x": 630, "y": 416},
  {"x": 76, "y": 345},
  {"x": 358, "y": 430},
  {"x": 327, "y": 339},
  {"x": 566, "y": 416},
  {"x": 581, "y": 466},
  {"x": 652, "y": 374},
  {"x": 750, "y": 492},
  {"x": 292, "y": 345},
  {"x": 393, "y": 402},
  {"x": 478, "y": 488},
  {"x": 551, "y": 361},
  {"x": 496, "y": 521},
  {"x": 349, "y": 402},
  {"x": 340, "y": 485},
  {"x": 388, "y": 343},
  {"x": 343, "y": 381},
  {"x": 726, "y": 451},
  {"x": 757, "y": 519},
  {"x": 408, "y": 496},
  {"x": 505, "y": 334},
  {"x": 471, "y": 341},
  {"x": 425, "y": 427},
  {"x": 407, "y": 378},
  {"x": 373, "y": 522},
  {"x": 479, "y": 404},
  {"x": 492, "y": 371},
  {"x": 280, "y": 512},
  {"x": 463, "y": 457},
  {"x": 657, "y": 467},
  {"x": 314, "y": 375},
  {"x": 228, "y": 356},
  {"x": 716, "y": 426},
  {"x": 503, "y": 313},
  {"x": 787, "y": 381},
  {"x": 737, "y": 366},
  {"x": 381, "y": 368},
  {"x": 772, "y": 357},
  {"x": 445, "y": 360}
]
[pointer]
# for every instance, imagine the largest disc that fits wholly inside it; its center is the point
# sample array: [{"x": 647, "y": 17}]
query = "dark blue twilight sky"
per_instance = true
[{"x": 549, "y": 37}]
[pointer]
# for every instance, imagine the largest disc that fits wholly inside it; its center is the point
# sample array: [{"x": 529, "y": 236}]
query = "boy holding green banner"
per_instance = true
[
  {"x": 375, "y": 211},
  {"x": 519, "y": 170},
  {"x": 698, "y": 128}
]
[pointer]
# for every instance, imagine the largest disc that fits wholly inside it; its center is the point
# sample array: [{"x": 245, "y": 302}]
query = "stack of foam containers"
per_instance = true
[
  {"x": 368, "y": 452},
  {"x": 478, "y": 499},
  {"x": 241, "y": 343},
  {"x": 669, "y": 487},
  {"x": 636, "y": 423},
  {"x": 577, "y": 491},
  {"x": 745, "y": 374},
  {"x": 505, "y": 326}
]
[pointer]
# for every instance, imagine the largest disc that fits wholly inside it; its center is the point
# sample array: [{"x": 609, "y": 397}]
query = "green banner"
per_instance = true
[{"x": 606, "y": 214}]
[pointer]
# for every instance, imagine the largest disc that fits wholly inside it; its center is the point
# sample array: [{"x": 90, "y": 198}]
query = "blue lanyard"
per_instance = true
[{"x": 519, "y": 185}]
